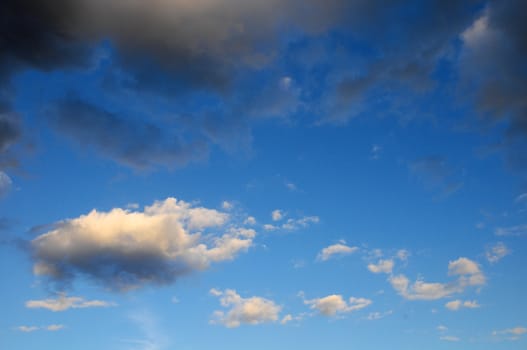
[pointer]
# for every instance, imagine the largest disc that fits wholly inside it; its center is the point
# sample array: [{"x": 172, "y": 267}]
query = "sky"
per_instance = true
[{"x": 340, "y": 174}]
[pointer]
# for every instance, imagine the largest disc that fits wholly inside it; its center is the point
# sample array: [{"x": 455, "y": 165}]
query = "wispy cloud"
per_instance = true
[{"x": 64, "y": 302}]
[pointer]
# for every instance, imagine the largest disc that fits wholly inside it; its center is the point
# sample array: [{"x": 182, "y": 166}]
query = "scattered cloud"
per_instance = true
[
  {"x": 455, "y": 305},
  {"x": 511, "y": 333},
  {"x": 467, "y": 272},
  {"x": 124, "y": 249},
  {"x": 277, "y": 215},
  {"x": 226, "y": 205},
  {"x": 497, "y": 252},
  {"x": 50, "y": 328},
  {"x": 518, "y": 230},
  {"x": 449, "y": 338},
  {"x": 253, "y": 310},
  {"x": 334, "y": 305},
  {"x": 403, "y": 254},
  {"x": 338, "y": 249},
  {"x": 64, "y": 302},
  {"x": 378, "y": 315},
  {"x": 291, "y": 224},
  {"x": 291, "y": 186},
  {"x": 382, "y": 266},
  {"x": 442, "y": 328},
  {"x": 250, "y": 221}
]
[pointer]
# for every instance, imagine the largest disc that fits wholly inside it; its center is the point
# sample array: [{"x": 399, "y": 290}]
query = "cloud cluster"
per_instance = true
[
  {"x": 64, "y": 302},
  {"x": 338, "y": 249},
  {"x": 467, "y": 272},
  {"x": 124, "y": 249},
  {"x": 334, "y": 305},
  {"x": 252, "y": 311}
]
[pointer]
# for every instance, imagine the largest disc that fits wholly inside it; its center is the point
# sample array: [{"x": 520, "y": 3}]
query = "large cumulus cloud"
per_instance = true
[{"x": 123, "y": 249}]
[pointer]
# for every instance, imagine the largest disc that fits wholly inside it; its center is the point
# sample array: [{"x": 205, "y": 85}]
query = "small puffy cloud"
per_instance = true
[
  {"x": 250, "y": 221},
  {"x": 382, "y": 266},
  {"x": 63, "y": 302},
  {"x": 338, "y": 249},
  {"x": 277, "y": 215},
  {"x": 253, "y": 310},
  {"x": 124, "y": 249},
  {"x": 455, "y": 305},
  {"x": 450, "y": 338},
  {"x": 269, "y": 227},
  {"x": 334, "y": 304},
  {"x": 226, "y": 205},
  {"x": 496, "y": 252},
  {"x": 518, "y": 230},
  {"x": 467, "y": 272}
]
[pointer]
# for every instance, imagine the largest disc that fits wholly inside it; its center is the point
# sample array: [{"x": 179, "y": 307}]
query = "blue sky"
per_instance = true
[{"x": 281, "y": 174}]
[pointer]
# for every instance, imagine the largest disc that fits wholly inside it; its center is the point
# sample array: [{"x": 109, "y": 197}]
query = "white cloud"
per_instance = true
[
  {"x": 226, "y": 205},
  {"x": 382, "y": 266},
  {"x": 50, "y": 328},
  {"x": 378, "y": 315},
  {"x": 303, "y": 222},
  {"x": 27, "y": 329},
  {"x": 402, "y": 254},
  {"x": 497, "y": 252},
  {"x": 64, "y": 302},
  {"x": 468, "y": 273},
  {"x": 455, "y": 305},
  {"x": 277, "y": 215},
  {"x": 442, "y": 328},
  {"x": 334, "y": 304},
  {"x": 450, "y": 338},
  {"x": 250, "y": 220},
  {"x": 253, "y": 310},
  {"x": 125, "y": 249},
  {"x": 54, "y": 327},
  {"x": 335, "y": 249},
  {"x": 518, "y": 230},
  {"x": 269, "y": 227}
]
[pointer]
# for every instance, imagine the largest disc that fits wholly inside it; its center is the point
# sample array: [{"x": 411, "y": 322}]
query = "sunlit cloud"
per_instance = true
[
  {"x": 339, "y": 249},
  {"x": 64, "y": 302}
]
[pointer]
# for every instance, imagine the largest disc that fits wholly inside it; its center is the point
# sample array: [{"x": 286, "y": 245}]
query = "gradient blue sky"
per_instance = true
[{"x": 247, "y": 174}]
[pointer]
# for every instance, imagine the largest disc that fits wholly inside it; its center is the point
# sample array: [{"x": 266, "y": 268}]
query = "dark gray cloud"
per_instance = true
[
  {"x": 436, "y": 173},
  {"x": 136, "y": 143}
]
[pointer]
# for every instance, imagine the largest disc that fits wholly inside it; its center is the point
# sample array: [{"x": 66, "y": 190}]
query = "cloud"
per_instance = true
[
  {"x": 134, "y": 142},
  {"x": 382, "y": 266},
  {"x": 64, "y": 302},
  {"x": 123, "y": 249},
  {"x": 250, "y": 221},
  {"x": 27, "y": 329},
  {"x": 455, "y": 305},
  {"x": 494, "y": 52},
  {"x": 511, "y": 333},
  {"x": 333, "y": 305},
  {"x": 497, "y": 252},
  {"x": 449, "y": 338},
  {"x": 50, "y": 328},
  {"x": 378, "y": 315},
  {"x": 442, "y": 328},
  {"x": 253, "y": 310},
  {"x": 293, "y": 224},
  {"x": 277, "y": 215},
  {"x": 5, "y": 183},
  {"x": 518, "y": 230},
  {"x": 467, "y": 272},
  {"x": 338, "y": 249},
  {"x": 436, "y": 173}
]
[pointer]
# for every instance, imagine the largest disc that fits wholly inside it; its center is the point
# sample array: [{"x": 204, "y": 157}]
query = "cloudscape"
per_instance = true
[{"x": 189, "y": 174}]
